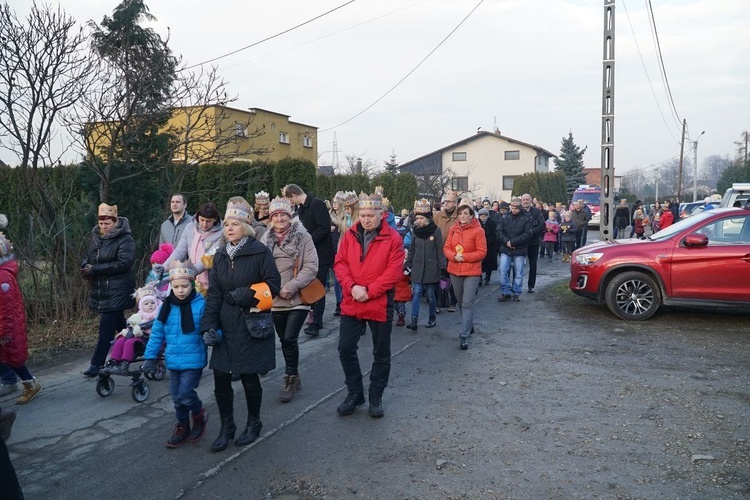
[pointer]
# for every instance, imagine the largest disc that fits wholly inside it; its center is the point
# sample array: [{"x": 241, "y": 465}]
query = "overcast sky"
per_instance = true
[{"x": 531, "y": 69}]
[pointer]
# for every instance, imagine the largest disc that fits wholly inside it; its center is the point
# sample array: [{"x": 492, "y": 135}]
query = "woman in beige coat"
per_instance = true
[{"x": 290, "y": 244}]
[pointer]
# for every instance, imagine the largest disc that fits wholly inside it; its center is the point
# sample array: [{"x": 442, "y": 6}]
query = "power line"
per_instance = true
[
  {"x": 410, "y": 72},
  {"x": 270, "y": 37},
  {"x": 661, "y": 61},
  {"x": 653, "y": 92}
]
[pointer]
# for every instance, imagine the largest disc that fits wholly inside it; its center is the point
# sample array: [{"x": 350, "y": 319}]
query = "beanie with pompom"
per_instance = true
[{"x": 162, "y": 254}]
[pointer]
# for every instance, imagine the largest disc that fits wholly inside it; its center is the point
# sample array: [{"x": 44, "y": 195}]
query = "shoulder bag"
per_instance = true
[{"x": 313, "y": 292}]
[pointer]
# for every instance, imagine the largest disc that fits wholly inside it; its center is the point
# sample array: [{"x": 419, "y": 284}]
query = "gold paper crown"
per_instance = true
[
  {"x": 262, "y": 198},
  {"x": 350, "y": 198},
  {"x": 373, "y": 201},
  {"x": 386, "y": 202},
  {"x": 280, "y": 205},
  {"x": 379, "y": 190},
  {"x": 145, "y": 291},
  {"x": 239, "y": 211},
  {"x": 181, "y": 270},
  {"x": 107, "y": 210},
  {"x": 422, "y": 206},
  {"x": 450, "y": 196}
]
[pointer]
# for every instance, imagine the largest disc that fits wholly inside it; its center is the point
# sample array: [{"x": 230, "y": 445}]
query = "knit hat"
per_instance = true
[
  {"x": 162, "y": 254},
  {"x": 422, "y": 207},
  {"x": 107, "y": 211},
  {"x": 280, "y": 205},
  {"x": 181, "y": 270},
  {"x": 240, "y": 211},
  {"x": 483, "y": 211},
  {"x": 373, "y": 201},
  {"x": 261, "y": 198},
  {"x": 6, "y": 249},
  {"x": 350, "y": 198},
  {"x": 145, "y": 292}
]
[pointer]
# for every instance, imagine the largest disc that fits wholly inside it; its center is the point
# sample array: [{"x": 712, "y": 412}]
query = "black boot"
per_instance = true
[
  {"x": 337, "y": 312},
  {"x": 432, "y": 321},
  {"x": 376, "y": 409},
  {"x": 251, "y": 432},
  {"x": 413, "y": 324},
  {"x": 225, "y": 402}
]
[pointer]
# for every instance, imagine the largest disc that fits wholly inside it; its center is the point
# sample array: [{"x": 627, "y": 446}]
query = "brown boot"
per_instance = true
[
  {"x": 30, "y": 389},
  {"x": 292, "y": 383}
]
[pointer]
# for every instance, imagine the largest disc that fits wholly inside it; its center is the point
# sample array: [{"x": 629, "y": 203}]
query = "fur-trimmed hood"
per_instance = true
[{"x": 291, "y": 243}]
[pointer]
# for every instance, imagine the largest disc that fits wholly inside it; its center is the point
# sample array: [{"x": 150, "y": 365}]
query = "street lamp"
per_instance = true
[{"x": 695, "y": 166}]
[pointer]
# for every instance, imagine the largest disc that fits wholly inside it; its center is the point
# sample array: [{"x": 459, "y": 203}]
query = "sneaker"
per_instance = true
[
  {"x": 504, "y": 298},
  {"x": 376, "y": 409},
  {"x": 6, "y": 389},
  {"x": 7, "y": 418},
  {"x": 531, "y": 289},
  {"x": 353, "y": 399},
  {"x": 452, "y": 308},
  {"x": 179, "y": 435},
  {"x": 30, "y": 389},
  {"x": 312, "y": 330},
  {"x": 464, "y": 343},
  {"x": 516, "y": 298}
]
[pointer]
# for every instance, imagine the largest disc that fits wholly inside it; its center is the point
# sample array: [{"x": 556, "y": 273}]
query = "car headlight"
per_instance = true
[{"x": 586, "y": 259}]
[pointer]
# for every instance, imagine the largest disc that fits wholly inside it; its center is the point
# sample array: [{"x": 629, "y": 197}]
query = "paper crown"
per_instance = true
[
  {"x": 262, "y": 198},
  {"x": 350, "y": 198},
  {"x": 143, "y": 292},
  {"x": 181, "y": 270},
  {"x": 280, "y": 205},
  {"x": 107, "y": 210},
  {"x": 450, "y": 196},
  {"x": 373, "y": 201},
  {"x": 422, "y": 206},
  {"x": 240, "y": 211},
  {"x": 339, "y": 196},
  {"x": 6, "y": 247}
]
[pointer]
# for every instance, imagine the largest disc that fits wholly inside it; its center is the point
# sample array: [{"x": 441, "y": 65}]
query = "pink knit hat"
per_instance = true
[{"x": 162, "y": 254}]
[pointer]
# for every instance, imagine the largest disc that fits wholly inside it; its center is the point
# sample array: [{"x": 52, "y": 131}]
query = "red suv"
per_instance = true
[{"x": 703, "y": 259}]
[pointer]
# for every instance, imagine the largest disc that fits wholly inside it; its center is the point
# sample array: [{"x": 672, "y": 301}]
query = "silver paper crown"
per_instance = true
[
  {"x": 181, "y": 270},
  {"x": 350, "y": 198},
  {"x": 262, "y": 198},
  {"x": 280, "y": 205},
  {"x": 239, "y": 211}
]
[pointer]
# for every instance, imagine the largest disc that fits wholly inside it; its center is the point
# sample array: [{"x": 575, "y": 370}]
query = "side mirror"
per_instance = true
[{"x": 696, "y": 240}]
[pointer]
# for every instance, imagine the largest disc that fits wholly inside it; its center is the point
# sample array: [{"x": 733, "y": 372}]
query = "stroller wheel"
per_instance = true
[
  {"x": 140, "y": 392},
  {"x": 161, "y": 371},
  {"x": 105, "y": 386}
]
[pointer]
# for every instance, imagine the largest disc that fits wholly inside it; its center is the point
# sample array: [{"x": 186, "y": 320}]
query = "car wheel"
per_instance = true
[{"x": 633, "y": 296}]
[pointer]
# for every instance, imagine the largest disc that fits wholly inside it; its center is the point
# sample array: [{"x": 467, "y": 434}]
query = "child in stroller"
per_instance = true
[{"x": 131, "y": 341}]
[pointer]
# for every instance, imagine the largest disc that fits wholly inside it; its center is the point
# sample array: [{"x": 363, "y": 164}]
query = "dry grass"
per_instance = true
[{"x": 46, "y": 341}]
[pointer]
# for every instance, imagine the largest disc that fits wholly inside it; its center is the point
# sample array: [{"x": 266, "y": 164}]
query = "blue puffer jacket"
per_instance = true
[{"x": 184, "y": 351}]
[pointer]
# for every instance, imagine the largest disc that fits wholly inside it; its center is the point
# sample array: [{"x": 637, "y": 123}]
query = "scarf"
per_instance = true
[
  {"x": 233, "y": 249},
  {"x": 280, "y": 235},
  {"x": 425, "y": 231},
  {"x": 186, "y": 312}
]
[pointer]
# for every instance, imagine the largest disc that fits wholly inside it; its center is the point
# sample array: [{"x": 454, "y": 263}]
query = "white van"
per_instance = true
[{"x": 739, "y": 192}]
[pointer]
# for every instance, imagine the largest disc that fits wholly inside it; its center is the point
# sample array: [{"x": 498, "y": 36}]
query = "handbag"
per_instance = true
[
  {"x": 259, "y": 324},
  {"x": 313, "y": 292}
]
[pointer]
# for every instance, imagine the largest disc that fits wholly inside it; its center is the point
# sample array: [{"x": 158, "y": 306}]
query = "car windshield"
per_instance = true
[
  {"x": 668, "y": 232},
  {"x": 589, "y": 198}
]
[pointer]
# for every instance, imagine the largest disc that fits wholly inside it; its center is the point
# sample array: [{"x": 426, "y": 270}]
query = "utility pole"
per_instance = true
[
  {"x": 682, "y": 153},
  {"x": 607, "y": 202},
  {"x": 695, "y": 166},
  {"x": 656, "y": 188}
]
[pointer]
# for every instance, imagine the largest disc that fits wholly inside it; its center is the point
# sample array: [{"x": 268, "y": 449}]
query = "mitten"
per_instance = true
[
  {"x": 211, "y": 337},
  {"x": 149, "y": 366},
  {"x": 243, "y": 297}
]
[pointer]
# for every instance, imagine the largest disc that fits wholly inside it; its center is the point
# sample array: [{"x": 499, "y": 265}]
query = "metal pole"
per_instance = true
[
  {"x": 656, "y": 194},
  {"x": 607, "y": 202},
  {"x": 695, "y": 166},
  {"x": 682, "y": 151}
]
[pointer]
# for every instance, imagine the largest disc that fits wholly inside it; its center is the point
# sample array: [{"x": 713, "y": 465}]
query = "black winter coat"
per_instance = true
[
  {"x": 489, "y": 263},
  {"x": 425, "y": 257},
  {"x": 518, "y": 230},
  {"x": 238, "y": 352},
  {"x": 538, "y": 225},
  {"x": 622, "y": 216},
  {"x": 313, "y": 214},
  {"x": 111, "y": 257}
]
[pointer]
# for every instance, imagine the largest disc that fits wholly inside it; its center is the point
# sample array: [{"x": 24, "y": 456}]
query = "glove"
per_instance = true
[
  {"x": 149, "y": 366},
  {"x": 243, "y": 297},
  {"x": 407, "y": 271},
  {"x": 158, "y": 269},
  {"x": 211, "y": 337}
]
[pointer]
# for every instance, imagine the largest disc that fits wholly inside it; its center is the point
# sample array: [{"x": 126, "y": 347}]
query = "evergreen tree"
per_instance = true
[
  {"x": 570, "y": 162},
  {"x": 392, "y": 166}
]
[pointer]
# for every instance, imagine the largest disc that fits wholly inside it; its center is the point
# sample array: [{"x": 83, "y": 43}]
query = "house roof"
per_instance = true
[{"x": 481, "y": 133}]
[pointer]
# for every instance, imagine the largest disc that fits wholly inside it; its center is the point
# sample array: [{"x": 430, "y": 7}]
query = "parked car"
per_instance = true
[
  {"x": 688, "y": 209},
  {"x": 738, "y": 193},
  {"x": 703, "y": 259}
]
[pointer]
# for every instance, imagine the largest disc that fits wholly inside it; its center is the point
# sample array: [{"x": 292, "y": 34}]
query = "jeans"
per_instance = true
[
  {"x": 320, "y": 306},
  {"x": 182, "y": 384},
  {"x": 7, "y": 375},
  {"x": 549, "y": 248},
  {"x": 533, "y": 254},
  {"x": 110, "y": 322},
  {"x": 337, "y": 290},
  {"x": 465, "y": 288},
  {"x": 519, "y": 262},
  {"x": 417, "y": 295},
  {"x": 350, "y": 330},
  {"x": 288, "y": 324},
  {"x": 21, "y": 372}
]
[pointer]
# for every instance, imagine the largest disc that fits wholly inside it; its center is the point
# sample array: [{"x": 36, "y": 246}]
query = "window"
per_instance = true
[
  {"x": 460, "y": 184},
  {"x": 239, "y": 130},
  {"x": 508, "y": 181},
  {"x": 459, "y": 156},
  {"x": 307, "y": 142},
  {"x": 513, "y": 155},
  {"x": 283, "y": 138}
]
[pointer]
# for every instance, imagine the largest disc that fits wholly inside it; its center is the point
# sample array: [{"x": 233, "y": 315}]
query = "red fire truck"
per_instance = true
[{"x": 592, "y": 195}]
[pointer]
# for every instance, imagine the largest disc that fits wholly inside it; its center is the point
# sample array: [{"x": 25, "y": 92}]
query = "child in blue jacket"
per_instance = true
[{"x": 177, "y": 325}]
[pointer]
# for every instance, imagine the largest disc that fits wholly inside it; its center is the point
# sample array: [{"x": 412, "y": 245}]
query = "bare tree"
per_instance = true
[
  {"x": 713, "y": 166},
  {"x": 355, "y": 165}
]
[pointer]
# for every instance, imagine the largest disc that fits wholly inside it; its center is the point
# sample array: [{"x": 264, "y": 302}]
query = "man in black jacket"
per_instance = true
[
  {"x": 537, "y": 230},
  {"x": 313, "y": 214},
  {"x": 513, "y": 234}
]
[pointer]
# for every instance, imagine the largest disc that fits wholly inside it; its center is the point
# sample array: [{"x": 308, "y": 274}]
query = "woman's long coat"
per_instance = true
[
  {"x": 111, "y": 256},
  {"x": 426, "y": 258},
  {"x": 238, "y": 352}
]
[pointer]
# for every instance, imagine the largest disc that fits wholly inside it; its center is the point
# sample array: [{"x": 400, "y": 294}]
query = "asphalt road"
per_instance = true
[{"x": 554, "y": 399}]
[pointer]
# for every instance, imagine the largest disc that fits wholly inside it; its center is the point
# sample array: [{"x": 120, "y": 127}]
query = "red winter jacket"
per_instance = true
[
  {"x": 12, "y": 317},
  {"x": 379, "y": 270},
  {"x": 474, "y": 244}
]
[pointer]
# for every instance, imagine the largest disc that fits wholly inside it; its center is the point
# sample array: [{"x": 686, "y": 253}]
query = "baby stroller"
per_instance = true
[{"x": 105, "y": 383}]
